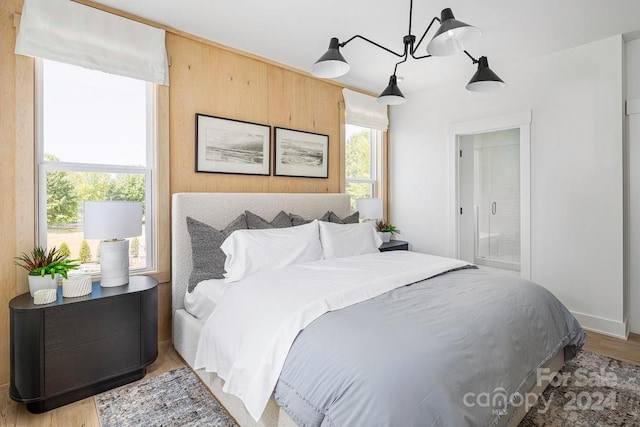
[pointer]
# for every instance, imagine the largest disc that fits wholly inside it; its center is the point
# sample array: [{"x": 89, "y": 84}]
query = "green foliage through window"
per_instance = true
[
  {"x": 85, "y": 252},
  {"x": 360, "y": 163}
]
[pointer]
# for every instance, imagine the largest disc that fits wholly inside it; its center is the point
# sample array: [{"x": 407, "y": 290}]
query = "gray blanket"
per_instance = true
[{"x": 427, "y": 354}]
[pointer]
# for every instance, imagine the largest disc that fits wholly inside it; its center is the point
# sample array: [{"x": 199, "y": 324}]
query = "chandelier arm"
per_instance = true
[
  {"x": 398, "y": 63},
  {"x": 474, "y": 60},
  {"x": 358, "y": 36},
  {"x": 415, "y": 48},
  {"x": 421, "y": 57}
]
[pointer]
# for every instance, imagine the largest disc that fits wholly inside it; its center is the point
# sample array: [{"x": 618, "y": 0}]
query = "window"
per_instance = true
[
  {"x": 95, "y": 142},
  {"x": 363, "y": 147}
]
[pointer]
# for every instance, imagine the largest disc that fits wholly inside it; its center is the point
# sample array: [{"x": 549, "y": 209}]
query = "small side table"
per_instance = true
[
  {"x": 394, "y": 245},
  {"x": 77, "y": 347}
]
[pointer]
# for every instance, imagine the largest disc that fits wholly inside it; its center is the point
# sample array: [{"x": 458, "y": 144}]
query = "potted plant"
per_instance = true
[
  {"x": 45, "y": 267},
  {"x": 385, "y": 229}
]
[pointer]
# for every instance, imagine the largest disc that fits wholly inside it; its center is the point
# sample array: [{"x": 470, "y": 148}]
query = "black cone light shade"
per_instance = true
[
  {"x": 392, "y": 94},
  {"x": 453, "y": 36},
  {"x": 485, "y": 80},
  {"x": 332, "y": 64}
]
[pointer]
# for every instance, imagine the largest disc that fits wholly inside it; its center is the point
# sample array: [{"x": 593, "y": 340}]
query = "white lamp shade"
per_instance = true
[
  {"x": 392, "y": 100},
  {"x": 452, "y": 36},
  {"x": 370, "y": 208},
  {"x": 453, "y": 41},
  {"x": 112, "y": 220},
  {"x": 330, "y": 69}
]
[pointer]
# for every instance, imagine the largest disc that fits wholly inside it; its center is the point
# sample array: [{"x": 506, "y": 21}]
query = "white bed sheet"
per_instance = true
[
  {"x": 204, "y": 298},
  {"x": 250, "y": 354}
]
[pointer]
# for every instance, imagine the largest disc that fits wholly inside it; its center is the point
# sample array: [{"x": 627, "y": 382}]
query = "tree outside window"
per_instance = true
[
  {"x": 361, "y": 149},
  {"x": 95, "y": 144}
]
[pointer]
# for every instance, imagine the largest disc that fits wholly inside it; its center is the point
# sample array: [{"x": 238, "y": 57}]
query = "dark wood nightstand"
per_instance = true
[
  {"x": 394, "y": 245},
  {"x": 77, "y": 347}
]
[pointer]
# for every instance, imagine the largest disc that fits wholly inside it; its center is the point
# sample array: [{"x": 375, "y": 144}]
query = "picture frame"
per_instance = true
[
  {"x": 232, "y": 146},
  {"x": 301, "y": 154}
]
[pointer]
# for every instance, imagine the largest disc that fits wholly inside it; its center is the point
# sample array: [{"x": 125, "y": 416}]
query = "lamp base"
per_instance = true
[{"x": 114, "y": 263}]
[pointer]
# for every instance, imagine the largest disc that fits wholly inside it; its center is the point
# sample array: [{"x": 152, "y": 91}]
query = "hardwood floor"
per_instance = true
[
  {"x": 84, "y": 413},
  {"x": 615, "y": 348}
]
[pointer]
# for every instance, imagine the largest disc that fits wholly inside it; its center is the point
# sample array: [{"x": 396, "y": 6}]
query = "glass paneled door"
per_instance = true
[{"x": 497, "y": 199}]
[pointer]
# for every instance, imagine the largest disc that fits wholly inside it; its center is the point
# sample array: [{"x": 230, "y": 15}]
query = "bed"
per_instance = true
[{"x": 219, "y": 209}]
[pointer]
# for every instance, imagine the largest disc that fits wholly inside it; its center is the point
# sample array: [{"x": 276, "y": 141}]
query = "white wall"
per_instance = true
[
  {"x": 576, "y": 165},
  {"x": 633, "y": 184}
]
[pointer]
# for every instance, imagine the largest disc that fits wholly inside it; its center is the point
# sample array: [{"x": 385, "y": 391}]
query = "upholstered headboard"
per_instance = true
[{"x": 219, "y": 209}]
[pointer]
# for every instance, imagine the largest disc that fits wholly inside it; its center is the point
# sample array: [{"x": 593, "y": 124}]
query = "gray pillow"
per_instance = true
[
  {"x": 354, "y": 218},
  {"x": 207, "y": 259},
  {"x": 298, "y": 220},
  {"x": 326, "y": 217},
  {"x": 254, "y": 221},
  {"x": 329, "y": 216}
]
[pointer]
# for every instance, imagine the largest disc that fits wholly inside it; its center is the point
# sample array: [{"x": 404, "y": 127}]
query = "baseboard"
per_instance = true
[{"x": 603, "y": 326}]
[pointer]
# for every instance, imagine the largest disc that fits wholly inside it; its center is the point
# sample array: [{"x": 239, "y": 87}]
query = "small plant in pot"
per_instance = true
[
  {"x": 45, "y": 267},
  {"x": 385, "y": 229}
]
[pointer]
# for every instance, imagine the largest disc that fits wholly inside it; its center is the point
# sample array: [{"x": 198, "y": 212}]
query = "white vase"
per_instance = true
[
  {"x": 43, "y": 282},
  {"x": 385, "y": 236},
  {"x": 76, "y": 286}
]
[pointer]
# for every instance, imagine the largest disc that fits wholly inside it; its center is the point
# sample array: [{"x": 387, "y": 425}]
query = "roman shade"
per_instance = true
[
  {"x": 65, "y": 31},
  {"x": 364, "y": 110}
]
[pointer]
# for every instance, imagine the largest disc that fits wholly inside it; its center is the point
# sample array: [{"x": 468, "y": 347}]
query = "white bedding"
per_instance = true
[
  {"x": 204, "y": 298},
  {"x": 247, "y": 337}
]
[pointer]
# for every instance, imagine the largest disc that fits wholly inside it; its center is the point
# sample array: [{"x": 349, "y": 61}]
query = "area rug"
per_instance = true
[
  {"x": 175, "y": 398},
  {"x": 591, "y": 390}
]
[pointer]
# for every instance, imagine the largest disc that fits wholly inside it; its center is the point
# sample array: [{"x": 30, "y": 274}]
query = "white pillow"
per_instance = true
[
  {"x": 250, "y": 251},
  {"x": 343, "y": 240}
]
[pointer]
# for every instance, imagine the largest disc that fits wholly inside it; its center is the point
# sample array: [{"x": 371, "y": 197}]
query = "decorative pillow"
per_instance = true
[
  {"x": 329, "y": 216},
  {"x": 207, "y": 258},
  {"x": 326, "y": 217},
  {"x": 298, "y": 220},
  {"x": 354, "y": 218},
  {"x": 344, "y": 240},
  {"x": 256, "y": 222},
  {"x": 251, "y": 251}
]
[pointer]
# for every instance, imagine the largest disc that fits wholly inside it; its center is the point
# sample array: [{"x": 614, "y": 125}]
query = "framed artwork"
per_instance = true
[
  {"x": 302, "y": 154},
  {"x": 232, "y": 146}
]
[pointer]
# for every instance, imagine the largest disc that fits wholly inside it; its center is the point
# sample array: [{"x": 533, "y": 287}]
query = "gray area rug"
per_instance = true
[
  {"x": 175, "y": 398},
  {"x": 591, "y": 390}
]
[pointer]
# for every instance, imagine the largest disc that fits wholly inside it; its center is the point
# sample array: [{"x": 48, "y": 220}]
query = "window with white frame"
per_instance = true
[
  {"x": 366, "y": 124},
  {"x": 362, "y": 162},
  {"x": 95, "y": 142}
]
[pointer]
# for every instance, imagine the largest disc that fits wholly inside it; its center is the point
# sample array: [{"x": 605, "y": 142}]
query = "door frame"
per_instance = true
[{"x": 521, "y": 120}]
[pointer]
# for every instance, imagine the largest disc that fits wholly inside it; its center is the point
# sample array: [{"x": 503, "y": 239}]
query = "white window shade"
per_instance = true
[
  {"x": 65, "y": 31},
  {"x": 364, "y": 110}
]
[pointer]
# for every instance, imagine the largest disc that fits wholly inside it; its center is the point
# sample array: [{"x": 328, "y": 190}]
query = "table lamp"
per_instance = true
[
  {"x": 370, "y": 209},
  {"x": 112, "y": 222}
]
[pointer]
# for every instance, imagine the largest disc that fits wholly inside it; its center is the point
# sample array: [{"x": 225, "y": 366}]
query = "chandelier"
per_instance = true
[{"x": 452, "y": 37}]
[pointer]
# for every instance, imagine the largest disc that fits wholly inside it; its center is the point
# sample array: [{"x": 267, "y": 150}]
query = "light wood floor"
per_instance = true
[{"x": 84, "y": 413}]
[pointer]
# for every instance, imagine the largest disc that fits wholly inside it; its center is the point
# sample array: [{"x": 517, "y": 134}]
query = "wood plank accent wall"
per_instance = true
[
  {"x": 204, "y": 79},
  {"x": 9, "y": 121},
  {"x": 208, "y": 80}
]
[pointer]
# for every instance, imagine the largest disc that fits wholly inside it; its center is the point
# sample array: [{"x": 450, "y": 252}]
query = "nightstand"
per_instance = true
[
  {"x": 77, "y": 347},
  {"x": 394, "y": 245}
]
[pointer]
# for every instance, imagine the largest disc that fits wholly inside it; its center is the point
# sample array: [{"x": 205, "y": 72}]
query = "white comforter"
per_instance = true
[{"x": 247, "y": 337}]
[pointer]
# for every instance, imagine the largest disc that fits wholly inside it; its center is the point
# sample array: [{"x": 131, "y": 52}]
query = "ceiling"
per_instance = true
[{"x": 297, "y": 32}]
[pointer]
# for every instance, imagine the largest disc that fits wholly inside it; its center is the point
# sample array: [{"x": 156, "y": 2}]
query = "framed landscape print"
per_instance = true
[
  {"x": 302, "y": 154},
  {"x": 232, "y": 146}
]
